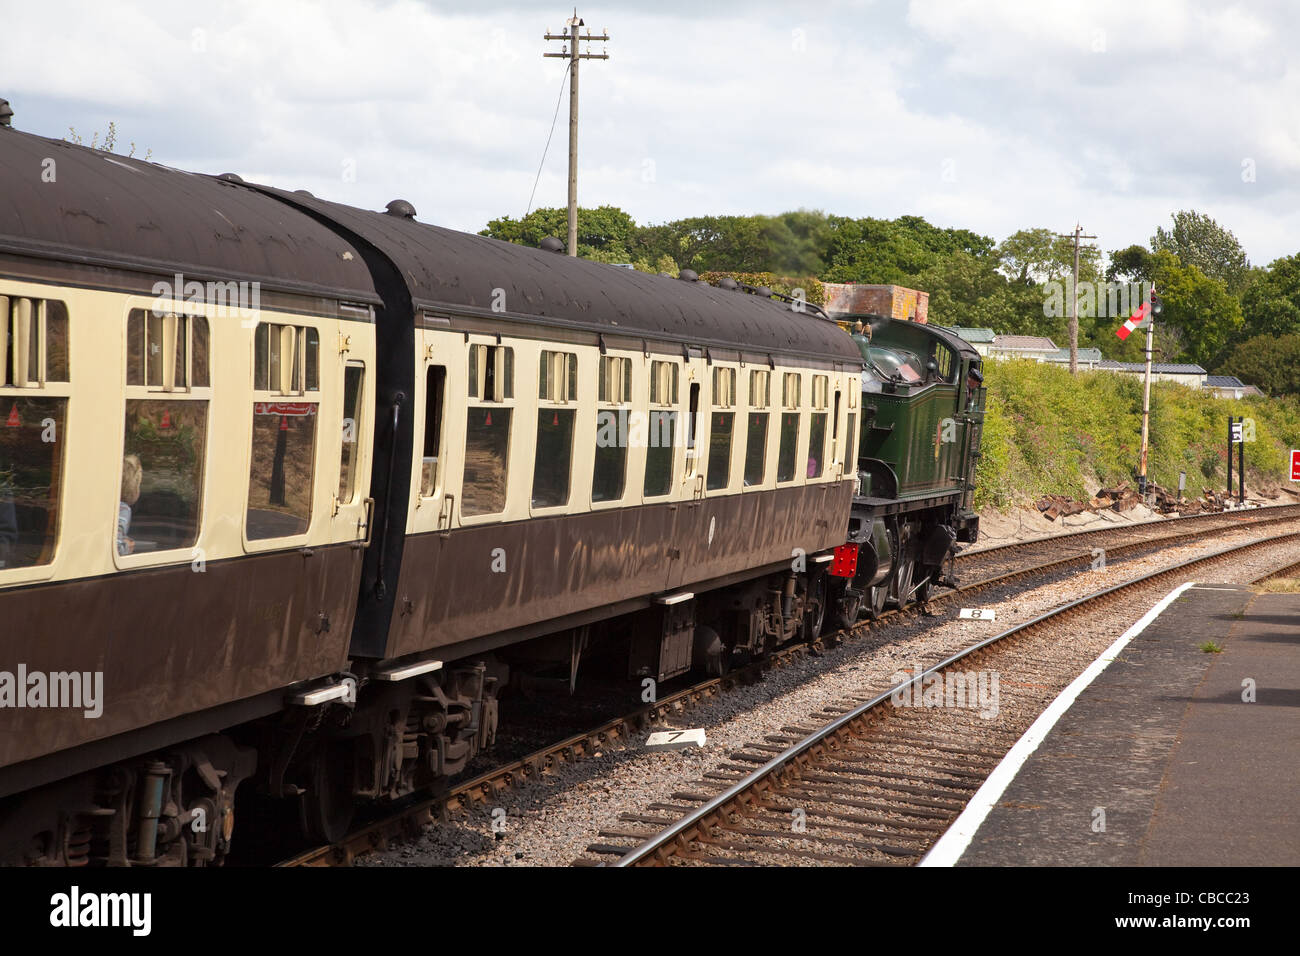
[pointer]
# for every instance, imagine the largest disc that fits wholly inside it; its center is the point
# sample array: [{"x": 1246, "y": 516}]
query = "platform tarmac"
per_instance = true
[{"x": 1163, "y": 759}]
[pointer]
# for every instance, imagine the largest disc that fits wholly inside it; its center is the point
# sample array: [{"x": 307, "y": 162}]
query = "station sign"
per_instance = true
[{"x": 1295, "y": 465}]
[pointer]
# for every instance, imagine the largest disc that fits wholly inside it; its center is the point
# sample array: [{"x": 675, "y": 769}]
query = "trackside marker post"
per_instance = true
[{"x": 675, "y": 739}]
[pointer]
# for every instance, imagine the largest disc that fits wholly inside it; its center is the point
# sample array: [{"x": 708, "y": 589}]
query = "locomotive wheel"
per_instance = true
[
  {"x": 876, "y": 601},
  {"x": 815, "y": 606},
  {"x": 923, "y": 589},
  {"x": 327, "y": 807}
]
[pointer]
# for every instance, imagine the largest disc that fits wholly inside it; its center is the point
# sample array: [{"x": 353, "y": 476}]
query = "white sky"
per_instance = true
[{"x": 991, "y": 116}]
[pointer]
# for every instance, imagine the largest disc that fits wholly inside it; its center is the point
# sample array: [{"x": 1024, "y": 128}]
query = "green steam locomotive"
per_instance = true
[{"x": 922, "y": 418}]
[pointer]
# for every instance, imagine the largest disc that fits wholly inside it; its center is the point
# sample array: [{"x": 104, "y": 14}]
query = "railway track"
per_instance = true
[
  {"x": 1114, "y": 538},
  {"x": 878, "y": 784},
  {"x": 408, "y": 820}
]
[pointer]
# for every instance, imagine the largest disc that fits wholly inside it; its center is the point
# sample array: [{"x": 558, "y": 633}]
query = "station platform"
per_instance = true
[{"x": 1159, "y": 761}]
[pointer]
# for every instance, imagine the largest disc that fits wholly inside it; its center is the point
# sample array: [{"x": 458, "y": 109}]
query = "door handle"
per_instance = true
[{"x": 368, "y": 522}]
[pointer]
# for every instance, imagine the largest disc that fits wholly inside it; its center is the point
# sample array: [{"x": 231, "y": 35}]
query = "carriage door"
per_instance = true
[
  {"x": 353, "y": 509},
  {"x": 689, "y": 519},
  {"x": 440, "y": 385}
]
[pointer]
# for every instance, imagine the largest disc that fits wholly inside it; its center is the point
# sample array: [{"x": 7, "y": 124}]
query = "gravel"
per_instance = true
[{"x": 551, "y": 822}]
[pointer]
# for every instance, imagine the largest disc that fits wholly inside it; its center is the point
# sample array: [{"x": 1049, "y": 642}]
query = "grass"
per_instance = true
[
  {"x": 1280, "y": 585},
  {"x": 1211, "y": 648},
  {"x": 1049, "y": 433}
]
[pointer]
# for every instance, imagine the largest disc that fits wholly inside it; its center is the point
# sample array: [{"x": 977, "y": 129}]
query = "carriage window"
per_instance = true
[
  {"x": 789, "y": 446},
  {"x": 557, "y": 377},
  {"x": 553, "y": 460},
  {"x": 850, "y": 442},
  {"x": 199, "y": 340},
  {"x": 30, "y": 328},
  {"x": 817, "y": 428},
  {"x": 33, "y": 354},
  {"x": 56, "y": 342},
  {"x": 162, "y": 474},
  {"x": 280, "y": 475},
  {"x": 816, "y": 444},
  {"x": 819, "y": 391},
  {"x": 487, "y": 450},
  {"x": 724, "y": 387},
  {"x": 663, "y": 383},
  {"x": 692, "y": 424},
  {"x": 31, "y": 474},
  {"x": 659, "y": 453},
  {"x": 661, "y": 429},
  {"x": 435, "y": 381},
  {"x": 720, "y": 428},
  {"x": 167, "y": 351},
  {"x": 760, "y": 396},
  {"x": 311, "y": 359},
  {"x": 790, "y": 390},
  {"x": 286, "y": 358},
  {"x": 720, "y": 451},
  {"x": 348, "y": 459},
  {"x": 613, "y": 387},
  {"x": 491, "y": 372},
  {"x": 615, "y": 379},
  {"x": 755, "y": 448},
  {"x": 610, "y": 472},
  {"x": 554, "y": 457}
]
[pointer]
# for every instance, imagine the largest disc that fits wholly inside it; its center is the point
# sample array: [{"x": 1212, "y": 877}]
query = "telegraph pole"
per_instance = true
[
  {"x": 573, "y": 56},
  {"x": 1074, "y": 298}
]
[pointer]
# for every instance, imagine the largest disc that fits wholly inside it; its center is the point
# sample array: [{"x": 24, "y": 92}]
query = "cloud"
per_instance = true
[{"x": 993, "y": 116}]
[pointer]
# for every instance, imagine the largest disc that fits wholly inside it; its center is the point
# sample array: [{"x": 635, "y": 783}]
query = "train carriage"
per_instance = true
[{"x": 302, "y": 540}]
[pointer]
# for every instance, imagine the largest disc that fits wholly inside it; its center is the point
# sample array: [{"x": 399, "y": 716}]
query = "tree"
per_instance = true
[
  {"x": 1129, "y": 265},
  {"x": 1270, "y": 362},
  {"x": 605, "y": 229},
  {"x": 1041, "y": 255},
  {"x": 1201, "y": 308},
  {"x": 1197, "y": 240},
  {"x": 1271, "y": 302}
]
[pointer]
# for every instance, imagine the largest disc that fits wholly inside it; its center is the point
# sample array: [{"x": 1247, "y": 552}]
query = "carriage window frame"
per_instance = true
[
  {"x": 46, "y": 377},
  {"x": 613, "y": 398},
  {"x": 490, "y": 390},
  {"x": 491, "y": 373},
  {"x": 273, "y": 382},
  {"x": 754, "y": 467},
  {"x": 662, "y": 392},
  {"x": 270, "y": 376},
  {"x": 557, "y": 396},
  {"x": 722, "y": 429},
  {"x": 182, "y": 342}
]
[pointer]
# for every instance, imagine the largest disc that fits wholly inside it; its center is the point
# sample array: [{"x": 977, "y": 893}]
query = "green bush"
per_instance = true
[{"x": 1047, "y": 432}]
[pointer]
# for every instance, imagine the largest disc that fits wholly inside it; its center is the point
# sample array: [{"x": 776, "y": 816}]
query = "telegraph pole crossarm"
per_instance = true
[{"x": 572, "y": 38}]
